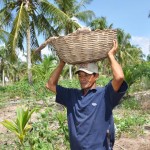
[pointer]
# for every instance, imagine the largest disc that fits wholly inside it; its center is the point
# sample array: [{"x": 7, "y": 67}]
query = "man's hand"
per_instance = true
[
  {"x": 114, "y": 49},
  {"x": 62, "y": 62},
  {"x": 53, "y": 80},
  {"x": 118, "y": 75}
]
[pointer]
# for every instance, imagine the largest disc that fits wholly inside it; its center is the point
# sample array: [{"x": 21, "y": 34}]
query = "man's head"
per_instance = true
[{"x": 87, "y": 73}]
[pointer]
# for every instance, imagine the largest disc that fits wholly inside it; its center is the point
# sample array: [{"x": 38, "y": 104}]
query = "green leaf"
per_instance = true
[{"x": 10, "y": 125}]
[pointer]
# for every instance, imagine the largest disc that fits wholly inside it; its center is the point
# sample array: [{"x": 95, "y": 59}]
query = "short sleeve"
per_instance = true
[
  {"x": 62, "y": 95},
  {"x": 113, "y": 96},
  {"x": 66, "y": 96}
]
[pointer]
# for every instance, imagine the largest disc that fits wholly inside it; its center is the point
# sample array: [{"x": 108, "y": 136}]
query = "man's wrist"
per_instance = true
[
  {"x": 111, "y": 55},
  {"x": 62, "y": 63}
]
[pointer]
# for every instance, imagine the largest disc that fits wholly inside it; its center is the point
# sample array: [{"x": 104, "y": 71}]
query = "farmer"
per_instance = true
[{"x": 89, "y": 110}]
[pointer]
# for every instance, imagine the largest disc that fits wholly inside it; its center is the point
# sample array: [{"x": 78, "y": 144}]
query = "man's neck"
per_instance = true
[{"x": 85, "y": 91}]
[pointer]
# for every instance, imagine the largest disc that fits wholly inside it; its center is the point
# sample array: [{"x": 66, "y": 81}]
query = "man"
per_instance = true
[{"x": 89, "y": 110}]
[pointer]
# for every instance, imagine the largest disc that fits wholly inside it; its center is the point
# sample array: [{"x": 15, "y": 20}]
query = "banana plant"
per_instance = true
[{"x": 21, "y": 125}]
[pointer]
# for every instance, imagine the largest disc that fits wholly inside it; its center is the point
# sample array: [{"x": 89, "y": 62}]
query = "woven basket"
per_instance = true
[{"x": 84, "y": 46}]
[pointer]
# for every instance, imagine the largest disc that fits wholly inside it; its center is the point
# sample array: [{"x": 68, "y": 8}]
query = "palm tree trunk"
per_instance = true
[
  {"x": 3, "y": 77},
  {"x": 70, "y": 72},
  {"x": 29, "y": 57},
  {"x": 28, "y": 50}
]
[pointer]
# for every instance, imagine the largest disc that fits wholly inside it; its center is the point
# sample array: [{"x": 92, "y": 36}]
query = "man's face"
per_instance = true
[{"x": 86, "y": 80}]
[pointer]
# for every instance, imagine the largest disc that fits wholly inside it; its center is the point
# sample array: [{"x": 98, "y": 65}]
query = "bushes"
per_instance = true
[
  {"x": 23, "y": 90},
  {"x": 130, "y": 124},
  {"x": 129, "y": 118},
  {"x": 50, "y": 131},
  {"x": 130, "y": 103}
]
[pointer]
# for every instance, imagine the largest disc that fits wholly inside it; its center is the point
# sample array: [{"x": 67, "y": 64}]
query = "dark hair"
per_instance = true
[{"x": 94, "y": 74}]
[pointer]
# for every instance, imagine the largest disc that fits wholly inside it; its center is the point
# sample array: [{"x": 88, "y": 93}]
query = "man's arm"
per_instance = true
[
  {"x": 53, "y": 80},
  {"x": 118, "y": 75}
]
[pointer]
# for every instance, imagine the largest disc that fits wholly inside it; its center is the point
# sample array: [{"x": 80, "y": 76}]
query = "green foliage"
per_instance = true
[
  {"x": 74, "y": 83},
  {"x": 148, "y": 57},
  {"x": 20, "y": 127},
  {"x": 23, "y": 90},
  {"x": 43, "y": 70},
  {"x": 50, "y": 131},
  {"x": 103, "y": 80},
  {"x": 129, "y": 118},
  {"x": 130, "y": 123},
  {"x": 100, "y": 23},
  {"x": 130, "y": 103},
  {"x": 135, "y": 72},
  {"x": 61, "y": 117}
]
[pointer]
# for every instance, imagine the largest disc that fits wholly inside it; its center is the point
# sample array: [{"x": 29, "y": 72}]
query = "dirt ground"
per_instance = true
[{"x": 139, "y": 143}]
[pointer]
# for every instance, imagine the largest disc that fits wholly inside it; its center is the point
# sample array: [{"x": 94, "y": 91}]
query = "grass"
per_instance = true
[{"x": 130, "y": 118}]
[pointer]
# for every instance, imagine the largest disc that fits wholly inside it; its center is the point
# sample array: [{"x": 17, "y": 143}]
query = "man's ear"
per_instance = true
[{"x": 96, "y": 76}]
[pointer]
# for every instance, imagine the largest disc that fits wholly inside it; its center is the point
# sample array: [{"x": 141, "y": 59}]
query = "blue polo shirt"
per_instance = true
[{"x": 90, "y": 116}]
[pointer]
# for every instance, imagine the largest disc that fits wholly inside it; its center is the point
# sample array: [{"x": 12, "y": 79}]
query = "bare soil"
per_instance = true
[{"x": 123, "y": 143}]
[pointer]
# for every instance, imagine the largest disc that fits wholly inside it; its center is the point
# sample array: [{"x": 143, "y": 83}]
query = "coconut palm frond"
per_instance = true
[
  {"x": 100, "y": 23},
  {"x": 50, "y": 10},
  {"x": 20, "y": 41},
  {"x": 3, "y": 36},
  {"x": 82, "y": 3},
  {"x": 44, "y": 25},
  {"x": 6, "y": 17},
  {"x": 65, "y": 5},
  {"x": 34, "y": 41},
  {"x": 20, "y": 25},
  {"x": 85, "y": 16}
]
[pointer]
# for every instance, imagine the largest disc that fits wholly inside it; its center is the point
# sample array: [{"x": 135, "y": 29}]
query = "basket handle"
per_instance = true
[{"x": 43, "y": 45}]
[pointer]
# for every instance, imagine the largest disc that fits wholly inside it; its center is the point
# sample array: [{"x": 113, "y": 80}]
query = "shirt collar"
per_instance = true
[{"x": 90, "y": 90}]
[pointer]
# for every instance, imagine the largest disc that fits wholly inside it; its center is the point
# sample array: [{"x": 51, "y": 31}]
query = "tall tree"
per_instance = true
[
  {"x": 127, "y": 54},
  {"x": 148, "y": 57},
  {"x": 100, "y": 23},
  {"x": 3, "y": 63},
  {"x": 28, "y": 18}
]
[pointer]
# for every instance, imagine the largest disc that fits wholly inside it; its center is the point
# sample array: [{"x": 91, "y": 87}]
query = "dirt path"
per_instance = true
[{"x": 140, "y": 143}]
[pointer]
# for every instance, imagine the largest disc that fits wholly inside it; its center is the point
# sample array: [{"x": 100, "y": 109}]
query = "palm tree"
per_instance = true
[
  {"x": 42, "y": 71},
  {"x": 32, "y": 18},
  {"x": 12, "y": 71},
  {"x": 127, "y": 54},
  {"x": 3, "y": 63},
  {"x": 3, "y": 36},
  {"x": 18, "y": 70},
  {"x": 100, "y": 23},
  {"x": 148, "y": 57},
  {"x": 73, "y": 9}
]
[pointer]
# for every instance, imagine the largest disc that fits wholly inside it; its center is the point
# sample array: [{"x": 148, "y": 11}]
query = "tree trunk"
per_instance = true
[
  {"x": 29, "y": 57},
  {"x": 70, "y": 72},
  {"x": 28, "y": 50},
  {"x": 3, "y": 77}
]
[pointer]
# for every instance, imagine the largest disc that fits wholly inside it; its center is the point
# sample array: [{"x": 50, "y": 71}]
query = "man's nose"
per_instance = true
[{"x": 83, "y": 78}]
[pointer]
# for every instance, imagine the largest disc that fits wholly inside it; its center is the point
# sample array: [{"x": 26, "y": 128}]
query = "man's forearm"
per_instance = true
[
  {"x": 53, "y": 80},
  {"x": 118, "y": 75},
  {"x": 116, "y": 68}
]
